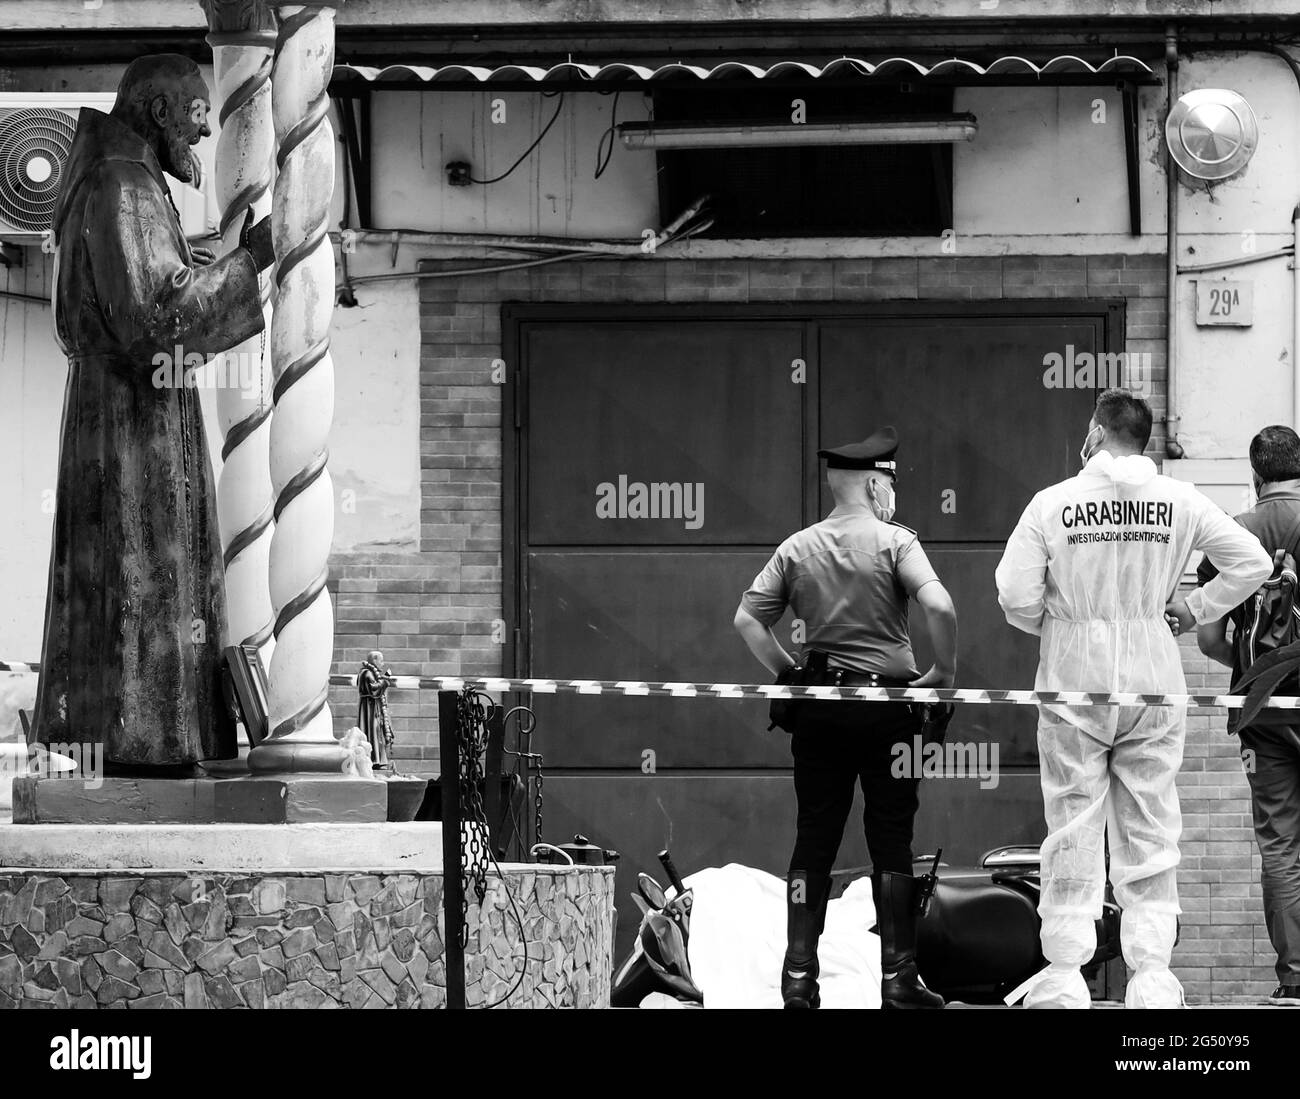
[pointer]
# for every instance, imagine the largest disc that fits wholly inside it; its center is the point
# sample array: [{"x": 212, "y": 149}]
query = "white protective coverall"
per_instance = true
[{"x": 1089, "y": 568}]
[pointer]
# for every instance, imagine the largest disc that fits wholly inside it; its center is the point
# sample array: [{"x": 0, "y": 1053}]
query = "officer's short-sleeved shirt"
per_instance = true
[{"x": 848, "y": 579}]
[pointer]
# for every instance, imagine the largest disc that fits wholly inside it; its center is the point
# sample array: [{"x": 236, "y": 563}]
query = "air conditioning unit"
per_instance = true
[{"x": 36, "y": 131}]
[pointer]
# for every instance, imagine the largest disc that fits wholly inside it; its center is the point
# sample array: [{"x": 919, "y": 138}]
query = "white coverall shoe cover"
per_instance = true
[
  {"x": 1155, "y": 986},
  {"x": 1068, "y": 942},
  {"x": 1058, "y": 986},
  {"x": 1147, "y": 937}
]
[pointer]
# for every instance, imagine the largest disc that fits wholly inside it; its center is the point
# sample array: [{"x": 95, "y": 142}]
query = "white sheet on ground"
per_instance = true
[{"x": 737, "y": 941}]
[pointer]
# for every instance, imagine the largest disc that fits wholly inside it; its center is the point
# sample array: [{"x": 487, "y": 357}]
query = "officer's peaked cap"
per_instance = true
[{"x": 874, "y": 452}]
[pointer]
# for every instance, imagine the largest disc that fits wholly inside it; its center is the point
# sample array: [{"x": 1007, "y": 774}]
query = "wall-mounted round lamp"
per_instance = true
[{"x": 1211, "y": 133}]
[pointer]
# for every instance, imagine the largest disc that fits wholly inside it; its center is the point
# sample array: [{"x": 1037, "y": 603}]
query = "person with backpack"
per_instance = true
[
  {"x": 1269, "y": 620},
  {"x": 1092, "y": 569}
]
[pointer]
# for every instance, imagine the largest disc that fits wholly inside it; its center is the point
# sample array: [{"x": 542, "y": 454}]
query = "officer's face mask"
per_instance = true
[
  {"x": 1089, "y": 445},
  {"x": 882, "y": 499}
]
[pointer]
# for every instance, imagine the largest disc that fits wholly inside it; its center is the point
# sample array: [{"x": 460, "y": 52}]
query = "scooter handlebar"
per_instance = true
[{"x": 667, "y": 861}]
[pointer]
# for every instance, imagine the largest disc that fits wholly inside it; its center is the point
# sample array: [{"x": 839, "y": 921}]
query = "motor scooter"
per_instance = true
[{"x": 658, "y": 961}]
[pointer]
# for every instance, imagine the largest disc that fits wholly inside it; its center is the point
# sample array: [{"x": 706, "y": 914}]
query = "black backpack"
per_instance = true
[{"x": 1270, "y": 622}]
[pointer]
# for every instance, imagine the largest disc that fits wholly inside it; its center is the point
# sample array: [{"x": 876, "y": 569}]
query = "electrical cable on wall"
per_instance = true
[
  {"x": 691, "y": 229},
  {"x": 605, "y": 152},
  {"x": 19, "y": 296},
  {"x": 559, "y": 106}
]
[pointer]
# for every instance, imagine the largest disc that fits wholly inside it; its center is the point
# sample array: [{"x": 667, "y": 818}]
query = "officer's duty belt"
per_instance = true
[{"x": 843, "y": 677}]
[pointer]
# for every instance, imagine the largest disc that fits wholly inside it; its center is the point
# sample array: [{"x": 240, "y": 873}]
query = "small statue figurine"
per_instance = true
[{"x": 372, "y": 710}]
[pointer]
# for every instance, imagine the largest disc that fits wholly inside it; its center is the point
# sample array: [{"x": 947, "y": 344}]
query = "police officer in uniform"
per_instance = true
[{"x": 849, "y": 579}]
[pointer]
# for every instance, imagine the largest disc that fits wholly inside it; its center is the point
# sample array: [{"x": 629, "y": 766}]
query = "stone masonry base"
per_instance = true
[{"x": 297, "y": 939}]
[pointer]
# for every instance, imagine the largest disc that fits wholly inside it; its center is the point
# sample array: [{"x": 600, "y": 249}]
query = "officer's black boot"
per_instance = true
[
  {"x": 875, "y": 902},
  {"x": 806, "y": 896},
  {"x": 900, "y": 981}
]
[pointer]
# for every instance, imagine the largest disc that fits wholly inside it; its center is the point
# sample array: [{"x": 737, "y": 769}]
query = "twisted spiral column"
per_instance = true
[
  {"x": 242, "y": 57},
  {"x": 301, "y": 735}
]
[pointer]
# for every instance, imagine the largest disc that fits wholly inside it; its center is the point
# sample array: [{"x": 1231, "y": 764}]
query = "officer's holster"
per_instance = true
[{"x": 784, "y": 712}]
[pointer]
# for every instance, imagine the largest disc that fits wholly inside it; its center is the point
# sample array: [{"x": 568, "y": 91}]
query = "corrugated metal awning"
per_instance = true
[{"x": 1066, "y": 68}]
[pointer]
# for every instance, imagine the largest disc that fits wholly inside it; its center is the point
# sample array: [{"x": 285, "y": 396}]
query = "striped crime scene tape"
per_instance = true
[
  {"x": 850, "y": 694},
  {"x": 772, "y": 690}
]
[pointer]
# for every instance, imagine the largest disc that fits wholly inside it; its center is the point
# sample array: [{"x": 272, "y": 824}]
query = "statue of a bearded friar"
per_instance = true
[
  {"x": 135, "y": 616},
  {"x": 372, "y": 708}
]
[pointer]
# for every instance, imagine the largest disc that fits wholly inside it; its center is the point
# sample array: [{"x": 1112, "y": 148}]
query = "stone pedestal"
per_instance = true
[
  {"x": 257, "y": 799},
  {"x": 301, "y": 799},
  {"x": 41, "y": 800},
  {"x": 112, "y": 848}
]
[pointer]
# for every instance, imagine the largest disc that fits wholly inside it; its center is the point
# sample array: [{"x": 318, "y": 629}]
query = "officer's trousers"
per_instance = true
[
  {"x": 836, "y": 746},
  {"x": 1273, "y": 768}
]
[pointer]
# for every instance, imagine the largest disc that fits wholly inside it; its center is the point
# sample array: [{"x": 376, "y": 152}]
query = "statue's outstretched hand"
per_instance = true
[{"x": 257, "y": 239}]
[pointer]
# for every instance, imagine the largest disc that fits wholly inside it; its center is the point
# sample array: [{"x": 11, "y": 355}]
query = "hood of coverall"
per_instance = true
[{"x": 1127, "y": 469}]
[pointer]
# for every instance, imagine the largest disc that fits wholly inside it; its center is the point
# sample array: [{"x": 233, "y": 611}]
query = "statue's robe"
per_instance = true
[
  {"x": 372, "y": 713},
  {"x": 135, "y": 613}
]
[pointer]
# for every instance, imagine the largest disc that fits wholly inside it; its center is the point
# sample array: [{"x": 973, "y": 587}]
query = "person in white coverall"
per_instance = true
[{"x": 1091, "y": 568}]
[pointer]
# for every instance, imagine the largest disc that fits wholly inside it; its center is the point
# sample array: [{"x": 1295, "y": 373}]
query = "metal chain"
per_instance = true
[
  {"x": 537, "y": 811},
  {"x": 472, "y": 711}
]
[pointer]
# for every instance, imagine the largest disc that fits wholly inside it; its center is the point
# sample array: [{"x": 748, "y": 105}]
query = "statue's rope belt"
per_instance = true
[
  {"x": 771, "y": 690},
  {"x": 851, "y": 694}
]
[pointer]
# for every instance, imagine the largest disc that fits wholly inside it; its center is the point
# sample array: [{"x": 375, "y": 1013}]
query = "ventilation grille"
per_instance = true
[{"x": 34, "y": 144}]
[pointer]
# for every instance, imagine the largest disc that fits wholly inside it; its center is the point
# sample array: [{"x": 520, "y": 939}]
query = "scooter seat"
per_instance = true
[{"x": 977, "y": 932}]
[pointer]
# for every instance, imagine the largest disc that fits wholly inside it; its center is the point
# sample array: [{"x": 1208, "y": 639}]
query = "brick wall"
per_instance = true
[{"x": 434, "y": 612}]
